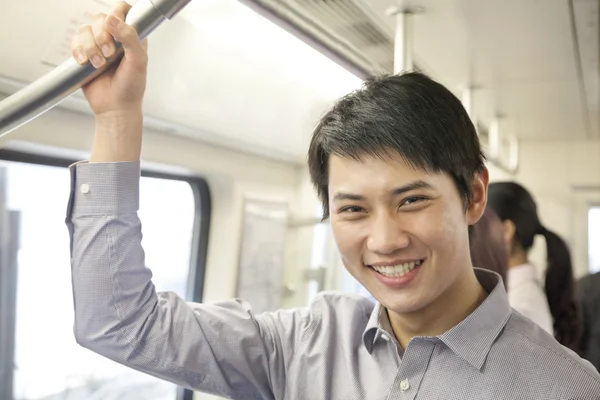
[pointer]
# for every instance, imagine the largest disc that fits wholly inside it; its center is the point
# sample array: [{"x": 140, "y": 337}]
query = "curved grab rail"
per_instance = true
[{"x": 58, "y": 84}]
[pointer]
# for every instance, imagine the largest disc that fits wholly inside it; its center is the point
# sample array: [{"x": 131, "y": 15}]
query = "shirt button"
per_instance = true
[
  {"x": 385, "y": 337},
  {"x": 85, "y": 188},
  {"x": 404, "y": 385}
]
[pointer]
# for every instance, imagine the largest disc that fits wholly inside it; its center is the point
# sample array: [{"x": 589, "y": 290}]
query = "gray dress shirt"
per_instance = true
[{"x": 340, "y": 347}]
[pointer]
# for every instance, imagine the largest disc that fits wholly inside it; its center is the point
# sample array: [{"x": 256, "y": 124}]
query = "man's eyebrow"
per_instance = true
[
  {"x": 339, "y": 196},
  {"x": 348, "y": 196},
  {"x": 412, "y": 186}
]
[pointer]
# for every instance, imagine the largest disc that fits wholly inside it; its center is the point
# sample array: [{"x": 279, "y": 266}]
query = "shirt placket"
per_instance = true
[{"x": 412, "y": 369}]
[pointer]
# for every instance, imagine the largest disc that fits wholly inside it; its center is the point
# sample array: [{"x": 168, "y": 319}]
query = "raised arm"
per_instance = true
[
  {"x": 219, "y": 348},
  {"x": 222, "y": 348}
]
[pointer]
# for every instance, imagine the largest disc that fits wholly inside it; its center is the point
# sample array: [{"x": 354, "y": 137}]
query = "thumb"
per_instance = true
[{"x": 129, "y": 39}]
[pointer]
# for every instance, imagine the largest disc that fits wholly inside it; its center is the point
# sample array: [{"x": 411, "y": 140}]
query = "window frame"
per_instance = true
[{"x": 201, "y": 226}]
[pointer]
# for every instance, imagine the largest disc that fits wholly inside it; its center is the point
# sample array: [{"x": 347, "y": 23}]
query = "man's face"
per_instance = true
[{"x": 402, "y": 232}]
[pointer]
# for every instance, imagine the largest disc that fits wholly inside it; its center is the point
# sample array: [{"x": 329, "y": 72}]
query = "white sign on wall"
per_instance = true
[{"x": 261, "y": 264}]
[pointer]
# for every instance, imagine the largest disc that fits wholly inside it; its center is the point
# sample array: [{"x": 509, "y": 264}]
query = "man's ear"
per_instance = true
[{"x": 479, "y": 199}]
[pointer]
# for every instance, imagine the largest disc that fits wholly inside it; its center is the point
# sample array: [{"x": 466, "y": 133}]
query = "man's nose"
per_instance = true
[{"x": 387, "y": 235}]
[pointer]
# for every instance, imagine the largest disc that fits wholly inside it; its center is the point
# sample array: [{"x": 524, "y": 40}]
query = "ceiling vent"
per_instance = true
[{"x": 342, "y": 28}]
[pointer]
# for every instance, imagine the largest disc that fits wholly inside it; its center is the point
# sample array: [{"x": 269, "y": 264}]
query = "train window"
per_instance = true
[
  {"x": 48, "y": 363},
  {"x": 594, "y": 239},
  {"x": 318, "y": 258}
]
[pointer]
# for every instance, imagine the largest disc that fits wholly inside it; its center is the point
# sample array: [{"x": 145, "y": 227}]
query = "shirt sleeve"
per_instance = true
[{"x": 222, "y": 348}]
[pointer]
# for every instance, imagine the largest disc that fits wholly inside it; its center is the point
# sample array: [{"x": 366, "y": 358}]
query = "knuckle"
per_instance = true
[
  {"x": 78, "y": 53},
  {"x": 103, "y": 37},
  {"x": 99, "y": 17},
  {"x": 83, "y": 28},
  {"x": 91, "y": 51},
  {"x": 85, "y": 40},
  {"x": 98, "y": 28},
  {"x": 106, "y": 44},
  {"x": 120, "y": 9},
  {"x": 123, "y": 5},
  {"x": 89, "y": 48}
]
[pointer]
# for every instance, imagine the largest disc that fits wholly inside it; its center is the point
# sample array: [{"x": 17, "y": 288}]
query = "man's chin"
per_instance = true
[{"x": 399, "y": 303}]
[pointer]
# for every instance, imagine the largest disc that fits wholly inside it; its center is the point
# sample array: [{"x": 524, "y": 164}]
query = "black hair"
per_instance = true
[
  {"x": 513, "y": 202},
  {"x": 408, "y": 115}
]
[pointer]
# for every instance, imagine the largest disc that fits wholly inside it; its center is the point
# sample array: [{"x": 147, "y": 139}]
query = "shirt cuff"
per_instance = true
[{"x": 104, "y": 188}]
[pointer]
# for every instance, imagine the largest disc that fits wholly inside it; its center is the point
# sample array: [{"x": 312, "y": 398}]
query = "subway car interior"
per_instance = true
[{"x": 234, "y": 91}]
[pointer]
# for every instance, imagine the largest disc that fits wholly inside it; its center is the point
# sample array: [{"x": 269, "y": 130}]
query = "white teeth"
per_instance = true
[{"x": 397, "y": 271}]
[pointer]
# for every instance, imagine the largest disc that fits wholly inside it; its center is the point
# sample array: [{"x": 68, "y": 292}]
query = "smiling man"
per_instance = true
[{"x": 400, "y": 172}]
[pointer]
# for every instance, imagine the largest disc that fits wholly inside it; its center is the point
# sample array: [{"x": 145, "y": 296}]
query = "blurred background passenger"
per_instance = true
[
  {"x": 588, "y": 297},
  {"x": 488, "y": 250},
  {"x": 556, "y": 311}
]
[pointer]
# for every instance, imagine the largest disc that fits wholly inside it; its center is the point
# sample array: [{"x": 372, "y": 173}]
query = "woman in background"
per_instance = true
[
  {"x": 553, "y": 306},
  {"x": 488, "y": 250}
]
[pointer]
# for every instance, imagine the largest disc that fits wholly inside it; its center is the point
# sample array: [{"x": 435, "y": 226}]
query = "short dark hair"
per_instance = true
[{"x": 409, "y": 115}]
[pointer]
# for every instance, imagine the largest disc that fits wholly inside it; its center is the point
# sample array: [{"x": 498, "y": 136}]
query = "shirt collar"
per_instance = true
[
  {"x": 373, "y": 332},
  {"x": 473, "y": 337}
]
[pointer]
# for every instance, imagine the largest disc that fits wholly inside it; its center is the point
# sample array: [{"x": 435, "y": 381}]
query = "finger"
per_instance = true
[
  {"x": 145, "y": 45},
  {"x": 129, "y": 39},
  {"x": 120, "y": 10},
  {"x": 90, "y": 48},
  {"x": 77, "y": 51},
  {"x": 103, "y": 38}
]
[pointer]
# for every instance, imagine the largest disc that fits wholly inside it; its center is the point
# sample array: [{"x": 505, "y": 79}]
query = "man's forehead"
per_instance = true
[
  {"x": 394, "y": 160},
  {"x": 351, "y": 177},
  {"x": 369, "y": 167}
]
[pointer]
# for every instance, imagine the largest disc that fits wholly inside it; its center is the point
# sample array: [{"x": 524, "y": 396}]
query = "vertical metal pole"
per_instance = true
[
  {"x": 494, "y": 139},
  {"x": 513, "y": 157},
  {"x": 6, "y": 310},
  {"x": 468, "y": 102},
  {"x": 403, "y": 44},
  {"x": 9, "y": 245},
  {"x": 403, "y": 49}
]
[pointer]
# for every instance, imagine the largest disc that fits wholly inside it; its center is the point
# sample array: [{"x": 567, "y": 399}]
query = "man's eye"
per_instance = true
[
  {"x": 413, "y": 200},
  {"x": 352, "y": 209}
]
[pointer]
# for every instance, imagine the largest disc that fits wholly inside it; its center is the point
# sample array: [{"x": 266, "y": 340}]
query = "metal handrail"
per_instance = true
[{"x": 58, "y": 84}]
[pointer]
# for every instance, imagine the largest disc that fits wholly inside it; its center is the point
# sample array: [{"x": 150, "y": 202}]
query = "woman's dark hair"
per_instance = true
[
  {"x": 488, "y": 250},
  {"x": 513, "y": 202},
  {"x": 408, "y": 115}
]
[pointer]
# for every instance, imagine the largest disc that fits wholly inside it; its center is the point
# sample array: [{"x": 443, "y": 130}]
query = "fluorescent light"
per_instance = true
[{"x": 238, "y": 29}]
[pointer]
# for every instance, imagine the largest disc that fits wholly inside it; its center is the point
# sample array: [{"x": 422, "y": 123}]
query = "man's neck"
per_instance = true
[{"x": 443, "y": 314}]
